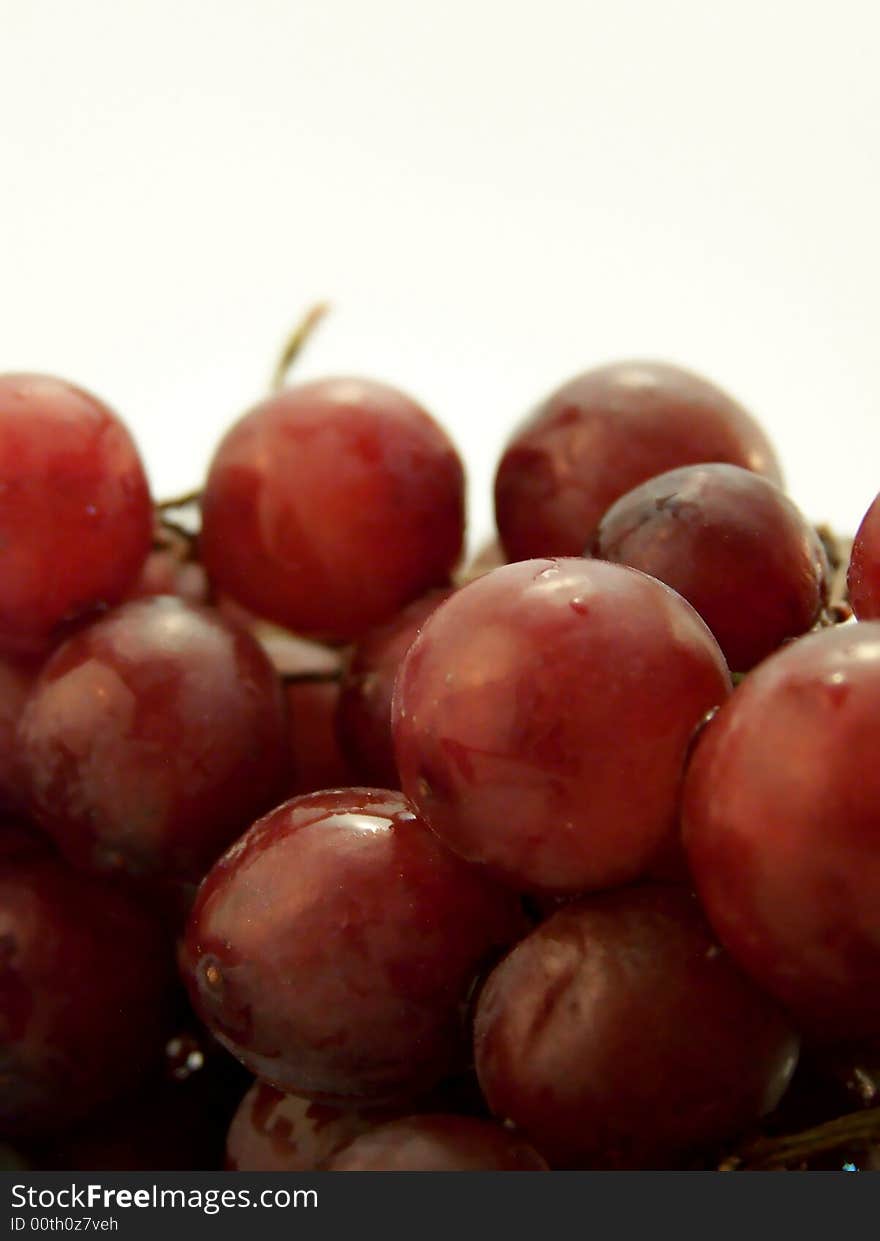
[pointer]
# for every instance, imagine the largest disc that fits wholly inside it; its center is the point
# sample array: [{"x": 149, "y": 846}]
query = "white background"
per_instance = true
[{"x": 494, "y": 194}]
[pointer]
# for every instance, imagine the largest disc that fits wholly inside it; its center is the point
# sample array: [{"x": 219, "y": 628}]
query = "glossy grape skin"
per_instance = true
[
  {"x": 75, "y": 509},
  {"x": 781, "y": 824},
  {"x": 542, "y": 718},
  {"x": 83, "y": 980},
  {"x": 733, "y": 545},
  {"x": 364, "y": 713},
  {"x": 437, "y": 1144},
  {"x": 152, "y": 738},
  {"x": 332, "y": 505},
  {"x": 863, "y": 575},
  {"x": 276, "y": 1132},
  {"x": 603, "y": 433},
  {"x": 619, "y": 1035},
  {"x": 333, "y": 947}
]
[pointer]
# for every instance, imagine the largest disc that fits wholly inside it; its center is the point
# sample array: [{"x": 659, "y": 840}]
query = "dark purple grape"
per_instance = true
[
  {"x": 733, "y": 545},
  {"x": 618, "y": 1034}
]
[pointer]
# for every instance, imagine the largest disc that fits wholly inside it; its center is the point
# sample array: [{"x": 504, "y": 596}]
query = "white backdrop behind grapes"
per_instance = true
[{"x": 494, "y": 194}]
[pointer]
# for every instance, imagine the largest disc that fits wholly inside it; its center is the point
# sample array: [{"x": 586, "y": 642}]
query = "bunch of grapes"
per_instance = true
[{"x": 568, "y": 859}]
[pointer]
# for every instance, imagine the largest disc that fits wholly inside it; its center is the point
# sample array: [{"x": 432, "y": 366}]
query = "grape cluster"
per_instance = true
[{"x": 569, "y": 858}]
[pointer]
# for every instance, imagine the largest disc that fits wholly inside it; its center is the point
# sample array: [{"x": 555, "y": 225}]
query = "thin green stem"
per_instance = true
[
  {"x": 295, "y": 343},
  {"x": 185, "y": 500},
  {"x": 793, "y": 1149}
]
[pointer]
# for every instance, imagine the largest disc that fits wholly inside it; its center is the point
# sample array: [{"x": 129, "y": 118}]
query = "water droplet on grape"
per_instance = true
[{"x": 213, "y": 975}]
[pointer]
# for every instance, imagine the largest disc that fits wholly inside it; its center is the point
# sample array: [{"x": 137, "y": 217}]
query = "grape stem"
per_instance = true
[
  {"x": 293, "y": 346},
  {"x": 182, "y": 501},
  {"x": 295, "y": 343},
  {"x": 793, "y": 1149}
]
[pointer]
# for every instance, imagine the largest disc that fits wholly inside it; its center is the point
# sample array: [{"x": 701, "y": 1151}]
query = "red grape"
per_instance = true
[
  {"x": 332, "y": 948},
  {"x": 542, "y": 719},
  {"x": 75, "y": 509},
  {"x": 863, "y": 576},
  {"x": 364, "y": 715},
  {"x": 602, "y": 434},
  {"x": 618, "y": 1034},
  {"x": 782, "y": 829},
  {"x": 83, "y": 974},
  {"x": 152, "y": 738},
  {"x": 331, "y": 505},
  {"x": 275, "y": 1132},
  {"x": 733, "y": 545},
  {"x": 438, "y": 1144}
]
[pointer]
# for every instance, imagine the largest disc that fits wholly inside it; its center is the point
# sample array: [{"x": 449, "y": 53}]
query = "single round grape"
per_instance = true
[
  {"x": 603, "y": 433},
  {"x": 733, "y": 545},
  {"x": 364, "y": 714},
  {"x": 152, "y": 738},
  {"x": 781, "y": 825},
  {"x": 437, "y": 1143},
  {"x": 331, "y": 505},
  {"x": 542, "y": 719},
  {"x": 83, "y": 980},
  {"x": 275, "y": 1132},
  {"x": 863, "y": 575},
  {"x": 75, "y": 509},
  {"x": 618, "y": 1034},
  {"x": 333, "y": 947}
]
